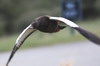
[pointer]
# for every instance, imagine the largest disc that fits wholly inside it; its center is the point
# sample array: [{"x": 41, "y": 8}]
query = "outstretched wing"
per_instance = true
[
  {"x": 90, "y": 36},
  {"x": 22, "y": 37}
]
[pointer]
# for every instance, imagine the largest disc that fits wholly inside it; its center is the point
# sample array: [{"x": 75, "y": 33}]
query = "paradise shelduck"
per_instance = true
[{"x": 49, "y": 24}]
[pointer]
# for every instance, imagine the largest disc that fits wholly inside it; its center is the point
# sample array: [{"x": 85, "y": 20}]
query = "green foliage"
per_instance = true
[
  {"x": 1, "y": 28},
  {"x": 21, "y": 12},
  {"x": 15, "y": 15},
  {"x": 91, "y": 8}
]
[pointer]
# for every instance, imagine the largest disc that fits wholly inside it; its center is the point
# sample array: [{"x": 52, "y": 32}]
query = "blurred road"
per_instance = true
[{"x": 78, "y": 53}]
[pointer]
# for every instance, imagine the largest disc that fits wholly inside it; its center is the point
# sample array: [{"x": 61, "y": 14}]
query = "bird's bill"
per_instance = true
[{"x": 22, "y": 37}]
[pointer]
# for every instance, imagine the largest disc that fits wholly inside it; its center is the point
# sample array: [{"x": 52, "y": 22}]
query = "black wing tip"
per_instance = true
[
  {"x": 12, "y": 54},
  {"x": 90, "y": 36},
  {"x": 7, "y": 64}
]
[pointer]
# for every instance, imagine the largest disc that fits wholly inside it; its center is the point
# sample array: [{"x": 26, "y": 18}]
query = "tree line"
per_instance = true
[{"x": 15, "y": 15}]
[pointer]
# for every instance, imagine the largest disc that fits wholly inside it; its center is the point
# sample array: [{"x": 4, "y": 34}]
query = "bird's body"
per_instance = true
[
  {"x": 49, "y": 24},
  {"x": 44, "y": 24}
]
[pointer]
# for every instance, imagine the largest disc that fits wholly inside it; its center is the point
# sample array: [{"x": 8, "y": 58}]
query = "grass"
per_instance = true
[{"x": 41, "y": 39}]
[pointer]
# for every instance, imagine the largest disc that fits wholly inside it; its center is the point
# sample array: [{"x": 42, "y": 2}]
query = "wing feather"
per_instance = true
[
  {"x": 22, "y": 37},
  {"x": 90, "y": 36}
]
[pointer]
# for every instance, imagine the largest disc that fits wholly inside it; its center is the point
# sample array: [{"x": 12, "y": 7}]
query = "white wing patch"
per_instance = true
[
  {"x": 24, "y": 34},
  {"x": 66, "y": 21}
]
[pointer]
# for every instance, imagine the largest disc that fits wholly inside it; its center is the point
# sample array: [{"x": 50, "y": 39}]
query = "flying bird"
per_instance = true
[{"x": 49, "y": 24}]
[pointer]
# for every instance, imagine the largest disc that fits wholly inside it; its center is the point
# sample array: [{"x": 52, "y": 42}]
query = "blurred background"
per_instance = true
[{"x": 15, "y": 15}]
